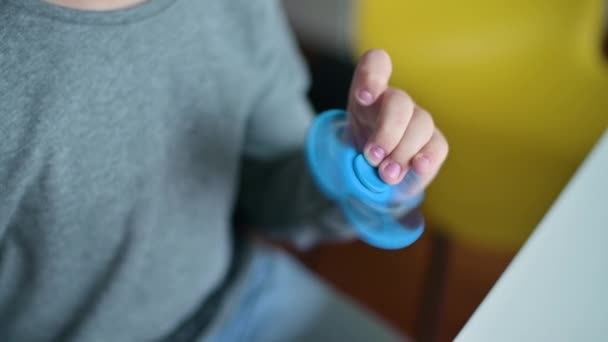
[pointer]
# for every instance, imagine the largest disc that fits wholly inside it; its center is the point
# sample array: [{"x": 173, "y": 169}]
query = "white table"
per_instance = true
[{"x": 556, "y": 288}]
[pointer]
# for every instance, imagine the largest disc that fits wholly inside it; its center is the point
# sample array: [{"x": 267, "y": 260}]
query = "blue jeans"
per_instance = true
[{"x": 278, "y": 300}]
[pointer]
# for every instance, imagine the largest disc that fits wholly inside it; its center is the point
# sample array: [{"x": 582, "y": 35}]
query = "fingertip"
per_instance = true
[
  {"x": 379, "y": 56},
  {"x": 365, "y": 97},
  {"x": 391, "y": 172},
  {"x": 374, "y": 154},
  {"x": 422, "y": 165}
]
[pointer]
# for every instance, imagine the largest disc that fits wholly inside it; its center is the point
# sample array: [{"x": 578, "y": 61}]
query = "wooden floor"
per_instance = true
[{"x": 393, "y": 283}]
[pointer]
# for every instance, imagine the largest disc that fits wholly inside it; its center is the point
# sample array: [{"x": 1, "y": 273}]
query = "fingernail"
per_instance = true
[
  {"x": 392, "y": 170},
  {"x": 422, "y": 163},
  {"x": 365, "y": 97},
  {"x": 375, "y": 155}
]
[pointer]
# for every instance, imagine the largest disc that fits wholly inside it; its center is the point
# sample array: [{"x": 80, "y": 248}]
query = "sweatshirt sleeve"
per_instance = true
[{"x": 277, "y": 191}]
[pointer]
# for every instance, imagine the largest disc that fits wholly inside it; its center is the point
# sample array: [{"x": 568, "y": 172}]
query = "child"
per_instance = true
[{"x": 132, "y": 130}]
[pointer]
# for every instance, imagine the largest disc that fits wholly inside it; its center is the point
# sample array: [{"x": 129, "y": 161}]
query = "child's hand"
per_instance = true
[{"x": 391, "y": 129}]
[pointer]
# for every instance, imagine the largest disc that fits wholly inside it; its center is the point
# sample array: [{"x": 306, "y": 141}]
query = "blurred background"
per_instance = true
[{"x": 519, "y": 87}]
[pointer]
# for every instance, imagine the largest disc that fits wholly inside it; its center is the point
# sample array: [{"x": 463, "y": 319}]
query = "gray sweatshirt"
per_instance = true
[{"x": 128, "y": 139}]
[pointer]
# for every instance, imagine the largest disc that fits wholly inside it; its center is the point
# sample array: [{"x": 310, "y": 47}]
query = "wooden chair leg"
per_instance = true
[{"x": 433, "y": 297}]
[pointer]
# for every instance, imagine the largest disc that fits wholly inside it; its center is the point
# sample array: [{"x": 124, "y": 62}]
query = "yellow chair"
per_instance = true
[{"x": 520, "y": 89}]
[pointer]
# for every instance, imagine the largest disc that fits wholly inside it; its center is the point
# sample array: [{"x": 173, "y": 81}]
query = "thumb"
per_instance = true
[{"x": 370, "y": 80}]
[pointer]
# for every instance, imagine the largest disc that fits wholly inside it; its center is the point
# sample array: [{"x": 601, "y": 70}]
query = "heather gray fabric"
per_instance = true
[{"x": 123, "y": 137}]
